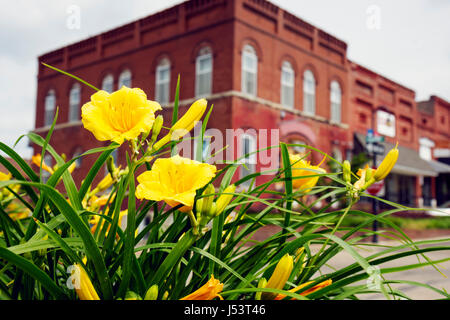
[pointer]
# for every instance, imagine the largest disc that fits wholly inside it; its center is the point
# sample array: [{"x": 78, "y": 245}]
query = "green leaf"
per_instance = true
[{"x": 34, "y": 272}]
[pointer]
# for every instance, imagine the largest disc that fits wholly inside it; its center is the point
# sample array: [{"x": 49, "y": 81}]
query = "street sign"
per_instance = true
[
  {"x": 376, "y": 189},
  {"x": 374, "y": 139},
  {"x": 375, "y": 148}
]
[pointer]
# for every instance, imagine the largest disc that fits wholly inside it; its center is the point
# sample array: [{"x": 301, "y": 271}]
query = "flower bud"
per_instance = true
[
  {"x": 156, "y": 129},
  {"x": 224, "y": 199},
  {"x": 279, "y": 276},
  {"x": 207, "y": 201},
  {"x": 130, "y": 295},
  {"x": 191, "y": 117},
  {"x": 261, "y": 284},
  {"x": 387, "y": 164},
  {"x": 347, "y": 175},
  {"x": 152, "y": 293}
]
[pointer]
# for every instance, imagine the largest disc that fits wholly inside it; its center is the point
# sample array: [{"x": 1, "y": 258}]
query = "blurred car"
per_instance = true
[{"x": 441, "y": 211}]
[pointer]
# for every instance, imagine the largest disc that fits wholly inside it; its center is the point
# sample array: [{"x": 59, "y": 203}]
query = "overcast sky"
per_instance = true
[{"x": 404, "y": 40}]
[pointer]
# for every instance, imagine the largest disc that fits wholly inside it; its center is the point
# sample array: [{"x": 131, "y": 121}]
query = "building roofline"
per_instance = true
[
  {"x": 366, "y": 69},
  {"x": 320, "y": 32},
  {"x": 112, "y": 30}
]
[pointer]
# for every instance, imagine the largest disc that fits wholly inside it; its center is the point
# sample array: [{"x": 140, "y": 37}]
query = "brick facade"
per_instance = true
[{"x": 179, "y": 33}]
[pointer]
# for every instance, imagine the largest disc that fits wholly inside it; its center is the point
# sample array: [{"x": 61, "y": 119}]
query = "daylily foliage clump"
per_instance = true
[{"x": 163, "y": 226}]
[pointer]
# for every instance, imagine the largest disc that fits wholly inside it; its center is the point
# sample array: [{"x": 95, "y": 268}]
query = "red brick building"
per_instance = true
[
  {"x": 433, "y": 126},
  {"x": 261, "y": 67}
]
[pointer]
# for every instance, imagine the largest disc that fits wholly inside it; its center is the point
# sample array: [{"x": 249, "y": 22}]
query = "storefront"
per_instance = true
[{"x": 411, "y": 178}]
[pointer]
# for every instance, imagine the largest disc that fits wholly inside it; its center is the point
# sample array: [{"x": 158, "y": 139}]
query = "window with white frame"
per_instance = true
[
  {"x": 74, "y": 103},
  {"x": 248, "y": 157},
  {"x": 287, "y": 85},
  {"x": 335, "y": 101},
  {"x": 249, "y": 67},
  {"x": 203, "y": 73},
  {"x": 125, "y": 79},
  {"x": 49, "y": 106},
  {"x": 309, "y": 93},
  {"x": 108, "y": 83},
  {"x": 425, "y": 148},
  {"x": 162, "y": 81}
]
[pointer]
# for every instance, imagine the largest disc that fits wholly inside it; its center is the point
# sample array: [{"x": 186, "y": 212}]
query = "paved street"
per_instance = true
[{"x": 426, "y": 274}]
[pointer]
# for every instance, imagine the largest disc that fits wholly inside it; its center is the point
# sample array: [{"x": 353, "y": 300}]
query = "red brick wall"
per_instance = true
[{"x": 370, "y": 91}]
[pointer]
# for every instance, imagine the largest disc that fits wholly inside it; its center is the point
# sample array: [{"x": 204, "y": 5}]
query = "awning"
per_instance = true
[
  {"x": 409, "y": 162},
  {"x": 439, "y": 167}
]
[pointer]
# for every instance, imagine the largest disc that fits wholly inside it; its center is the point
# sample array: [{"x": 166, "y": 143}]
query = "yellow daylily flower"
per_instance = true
[
  {"x": 208, "y": 291},
  {"x": 121, "y": 115},
  {"x": 279, "y": 276},
  {"x": 301, "y": 168},
  {"x": 175, "y": 181},
  {"x": 365, "y": 176},
  {"x": 36, "y": 159},
  {"x": 5, "y": 176},
  {"x": 95, "y": 219},
  {"x": 85, "y": 290},
  {"x": 306, "y": 292},
  {"x": 387, "y": 164},
  {"x": 19, "y": 215}
]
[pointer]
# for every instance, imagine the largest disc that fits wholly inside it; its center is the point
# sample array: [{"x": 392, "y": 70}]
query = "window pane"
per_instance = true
[
  {"x": 335, "y": 99},
  {"x": 249, "y": 71},
  {"x": 287, "y": 96},
  {"x": 49, "y": 108},
  {"x": 309, "y": 106},
  {"x": 204, "y": 63},
  {"x": 249, "y": 83},
  {"x": 203, "y": 86},
  {"x": 125, "y": 79},
  {"x": 74, "y": 104},
  {"x": 248, "y": 145},
  {"x": 162, "y": 83},
  {"x": 107, "y": 84}
]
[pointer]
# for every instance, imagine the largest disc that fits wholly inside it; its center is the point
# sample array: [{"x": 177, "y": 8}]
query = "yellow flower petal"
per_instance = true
[
  {"x": 208, "y": 291},
  {"x": 302, "y": 168},
  {"x": 174, "y": 180},
  {"x": 279, "y": 276},
  {"x": 306, "y": 292},
  {"x": 121, "y": 115}
]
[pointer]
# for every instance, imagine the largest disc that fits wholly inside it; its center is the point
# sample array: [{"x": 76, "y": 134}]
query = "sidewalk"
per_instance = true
[{"x": 427, "y": 275}]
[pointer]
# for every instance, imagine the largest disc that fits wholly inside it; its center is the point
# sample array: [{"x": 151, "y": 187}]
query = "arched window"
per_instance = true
[
  {"x": 309, "y": 93},
  {"x": 108, "y": 83},
  {"x": 247, "y": 150},
  {"x": 249, "y": 83},
  {"x": 335, "y": 101},
  {"x": 287, "y": 85},
  {"x": 162, "y": 81},
  {"x": 125, "y": 79},
  {"x": 49, "y": 112},
  {"x": 203, "y": 73},
  {"x": 74, "y": 102}
]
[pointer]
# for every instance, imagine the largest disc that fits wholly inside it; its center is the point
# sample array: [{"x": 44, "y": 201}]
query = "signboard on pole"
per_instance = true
[
  {"x": 375, "y": 148},
  {"x": 377, "y": 189},
  {"x": 386, "y": 123}
]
